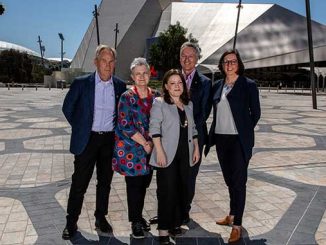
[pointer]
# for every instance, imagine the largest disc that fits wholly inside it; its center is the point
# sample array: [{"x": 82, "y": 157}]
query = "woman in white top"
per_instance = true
[{"x": 236, "y": 111}]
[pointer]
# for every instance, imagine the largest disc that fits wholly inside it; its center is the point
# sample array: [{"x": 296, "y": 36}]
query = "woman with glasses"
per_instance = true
[
  {"x": 176, "y": 149},
  {"x": 133, "y": 144},
  {"x": 236, "y": 111}
]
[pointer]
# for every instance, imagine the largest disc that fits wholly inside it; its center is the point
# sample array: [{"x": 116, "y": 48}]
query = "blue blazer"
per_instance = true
[
  {"x": 200, "y": 91},
  {"x": 245, "y": 108},
  {"x": 78, "y": 108}
]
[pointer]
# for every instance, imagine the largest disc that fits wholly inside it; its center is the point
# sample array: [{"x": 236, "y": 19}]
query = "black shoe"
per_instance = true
[
  {"x": 137, "y": 230},
  {"x": 146, "y": 226},
  {"x": 153, "y": 220},
  {"x": 69, "y": 232},
  {"x": 103, "y": 225},
  {"x": 176, "y": 231},
  {"x": 164, "y": 240}
]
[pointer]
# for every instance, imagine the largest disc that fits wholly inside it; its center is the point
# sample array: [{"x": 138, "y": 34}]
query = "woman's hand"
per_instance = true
[
  {"x": 161, "y": 159},
  {"x": 148, "y": 147},
  {"x": 195, "y": 154}
]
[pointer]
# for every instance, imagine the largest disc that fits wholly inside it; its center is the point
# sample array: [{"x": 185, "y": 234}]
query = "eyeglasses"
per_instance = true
[{"x": 230, "y": 62}]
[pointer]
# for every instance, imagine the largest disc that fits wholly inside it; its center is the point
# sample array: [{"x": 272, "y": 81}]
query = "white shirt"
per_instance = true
[
  {"x": 224, "y": 118},
  {"x": 104, "y": 105}
]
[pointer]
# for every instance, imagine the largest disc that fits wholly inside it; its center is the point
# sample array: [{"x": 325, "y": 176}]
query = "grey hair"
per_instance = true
[
  {"x": 101, "y": 47},
  {"x": 140, "y": 61},
  {"x": 195, "y": 46}
]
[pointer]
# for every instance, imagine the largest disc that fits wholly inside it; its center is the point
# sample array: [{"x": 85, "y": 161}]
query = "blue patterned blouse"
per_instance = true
[{"x": 129, "y": 157}]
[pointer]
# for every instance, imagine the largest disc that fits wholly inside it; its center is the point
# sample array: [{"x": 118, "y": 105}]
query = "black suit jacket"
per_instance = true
[
  {"x": 245, "y": 108},
  {"x": 200, "y": 95},
  {"x": 78, "y": 108}
]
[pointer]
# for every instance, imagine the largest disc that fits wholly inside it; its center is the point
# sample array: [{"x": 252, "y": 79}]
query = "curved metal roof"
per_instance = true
[{"x": 5, "y": 46}]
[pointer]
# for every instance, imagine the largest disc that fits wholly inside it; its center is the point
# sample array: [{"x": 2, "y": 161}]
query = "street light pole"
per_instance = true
[
  {"x": 62, "y": 39},
  {"x": 42, "y": 49},
  {"x": 95, "y": 14},
  {"x": 311, "y": 57},
  {"x": 116, "y": 35},
  {"x": 236, "y": 26}
]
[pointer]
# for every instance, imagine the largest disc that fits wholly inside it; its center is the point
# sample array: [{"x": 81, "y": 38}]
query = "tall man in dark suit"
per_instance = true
[
  {"x": 199, "y": 87},
  {"x": 90, "y": 108}
]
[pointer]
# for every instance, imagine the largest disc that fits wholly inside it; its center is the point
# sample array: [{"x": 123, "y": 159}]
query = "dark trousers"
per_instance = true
[
  {"x": 192, "y": 181},
  {"x": 136, "y": 191},
  {"x": 235, "y": 169},
  {"x": 98, "y": 151},
  {"x": 172, "y": 190}
]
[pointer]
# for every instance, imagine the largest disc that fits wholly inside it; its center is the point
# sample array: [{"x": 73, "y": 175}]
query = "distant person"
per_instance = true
[
  {"x": 133, "y": 145},
  {"x": 199, "y": 88},
  {"x": 176, "y": 150},
  {"x": 90, "y": 108},
  {"x": 236, "y": 111}
]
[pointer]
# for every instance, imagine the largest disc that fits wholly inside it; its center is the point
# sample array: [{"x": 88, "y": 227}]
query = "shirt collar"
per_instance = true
[
  {"x": 190, "y": 76},
  {"x": 99, "y": 80}
]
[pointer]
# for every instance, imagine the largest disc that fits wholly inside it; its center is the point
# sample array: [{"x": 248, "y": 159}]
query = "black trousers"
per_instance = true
[
  {"x": 192, "y": 181},
  {"x": 136, "y": 191},
  {"x": 235, "y": 170},
  {"x": 98, "y": 151},
  {"x": 172, "y": 190}
]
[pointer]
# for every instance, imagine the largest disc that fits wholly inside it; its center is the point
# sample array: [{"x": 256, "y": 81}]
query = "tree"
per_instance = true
[
  {"x": 164, "y": 53},
  {"x": 2, "y": 9},
  {"x": 15, "y": 67}
]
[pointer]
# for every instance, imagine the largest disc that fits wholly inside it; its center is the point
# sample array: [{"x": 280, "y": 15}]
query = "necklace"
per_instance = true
[
  {"x": 184, "y": 124},
  {"x": 144, "y": 108},
  {"x": 183, "y": 118}
]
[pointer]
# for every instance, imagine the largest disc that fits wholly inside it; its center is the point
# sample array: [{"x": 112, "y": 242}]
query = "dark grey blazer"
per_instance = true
[{"x": 165, "y": 121}]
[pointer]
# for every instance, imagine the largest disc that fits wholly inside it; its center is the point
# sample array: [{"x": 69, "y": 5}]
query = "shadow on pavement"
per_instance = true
[{"x": 107, "y": 240}]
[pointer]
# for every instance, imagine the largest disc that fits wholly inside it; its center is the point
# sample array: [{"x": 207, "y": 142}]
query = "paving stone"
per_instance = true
[{"x": 287, "y": 169}]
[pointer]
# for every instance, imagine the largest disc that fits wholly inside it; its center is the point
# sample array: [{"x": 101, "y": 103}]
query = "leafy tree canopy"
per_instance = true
[{"x": 164, "y": 53}]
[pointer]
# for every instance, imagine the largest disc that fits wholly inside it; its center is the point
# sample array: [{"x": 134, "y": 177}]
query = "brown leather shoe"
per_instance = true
[
  {"x": 225, "y": 221},
  {"x": 235, "y": 234}
]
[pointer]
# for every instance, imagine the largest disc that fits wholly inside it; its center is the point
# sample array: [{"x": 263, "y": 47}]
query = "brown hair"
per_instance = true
[
  {"x": 166, "y": 96},
  {"x": 241, "y": 67}
]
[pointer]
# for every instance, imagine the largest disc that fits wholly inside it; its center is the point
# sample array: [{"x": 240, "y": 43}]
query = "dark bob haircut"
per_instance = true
[
  {"x": 166, "y": 96},
  {"x": 241, "y": 67}
]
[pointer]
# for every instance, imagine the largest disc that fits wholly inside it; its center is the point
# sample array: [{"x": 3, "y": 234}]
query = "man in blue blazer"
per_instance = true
[
  {"x": 90, "y": 108},
  {"x": 199, "y": 87}
]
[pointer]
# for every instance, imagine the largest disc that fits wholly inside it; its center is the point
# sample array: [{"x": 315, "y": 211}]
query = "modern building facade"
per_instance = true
[{"x": 271, "y": 39}]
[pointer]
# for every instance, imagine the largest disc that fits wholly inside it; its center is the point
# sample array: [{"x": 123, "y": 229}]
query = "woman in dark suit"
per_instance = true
[
  {"x": 175, "y": 150},
  {"x": 236, "y": 111}
]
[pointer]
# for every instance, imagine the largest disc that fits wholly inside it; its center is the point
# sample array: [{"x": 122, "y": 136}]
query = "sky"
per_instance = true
[{"x": 25, "y": 20}]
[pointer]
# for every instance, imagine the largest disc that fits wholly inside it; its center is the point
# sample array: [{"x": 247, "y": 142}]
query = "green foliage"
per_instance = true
[
  {"x": 38, "y": 73},
  {"x": 16, "y": 67},
  {"x": 2, "y": 9},
  {"x": 155, "y": 84},
  {"x": 164, "y": 54}
]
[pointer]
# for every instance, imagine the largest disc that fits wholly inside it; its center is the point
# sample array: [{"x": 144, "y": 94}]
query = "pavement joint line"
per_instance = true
[{"x": 304, "y": 213}]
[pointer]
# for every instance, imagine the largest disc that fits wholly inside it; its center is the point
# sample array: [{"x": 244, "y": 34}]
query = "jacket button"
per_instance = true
[{"x": 189, "y": 141}]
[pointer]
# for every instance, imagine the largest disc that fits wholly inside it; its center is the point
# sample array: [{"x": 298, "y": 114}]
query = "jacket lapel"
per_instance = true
[
  {"x": 116, "y": 90},
  {"x": 236, "y": 90},
  {"x": 195, "y": 84},
  {"x": 91, "y": 93},
  {"x": 218, "y": 92}
]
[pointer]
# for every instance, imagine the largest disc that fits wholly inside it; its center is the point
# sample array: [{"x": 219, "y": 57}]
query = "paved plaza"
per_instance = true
[{"x": 286, "y": 189}]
